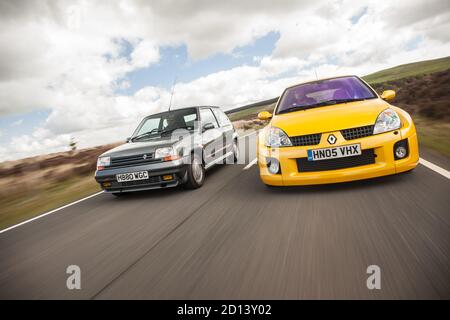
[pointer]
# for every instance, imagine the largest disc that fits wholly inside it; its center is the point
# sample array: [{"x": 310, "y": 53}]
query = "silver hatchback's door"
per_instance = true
[
  {"x": 227, "y": 131},
  {"x": 211, "y": 137}
]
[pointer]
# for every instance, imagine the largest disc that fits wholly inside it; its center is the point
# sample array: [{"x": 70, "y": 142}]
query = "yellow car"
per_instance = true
[{"x": 334, "y": 130}]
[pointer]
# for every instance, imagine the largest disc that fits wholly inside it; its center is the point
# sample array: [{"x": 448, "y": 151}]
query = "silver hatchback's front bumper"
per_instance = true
[{"x": 177, "y": 168}]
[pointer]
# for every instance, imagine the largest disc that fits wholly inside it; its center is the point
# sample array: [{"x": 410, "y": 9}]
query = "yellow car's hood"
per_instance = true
[{"x": 330, "y": 118}]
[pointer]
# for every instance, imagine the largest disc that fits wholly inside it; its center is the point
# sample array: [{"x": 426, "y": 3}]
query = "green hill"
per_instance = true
[{"x": 409, "y": 70}]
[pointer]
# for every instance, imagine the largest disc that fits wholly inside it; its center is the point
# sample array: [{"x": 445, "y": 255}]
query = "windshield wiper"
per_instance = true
[
  {"x": 153, "y": 131},
  {"x": 337, "y": 101},
  {"x": 156, "y": 131},
  {"x": 295, "y": 108}
]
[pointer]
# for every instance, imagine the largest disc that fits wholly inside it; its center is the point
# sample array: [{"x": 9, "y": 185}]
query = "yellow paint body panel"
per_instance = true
[{"x": 332, "y": 119}]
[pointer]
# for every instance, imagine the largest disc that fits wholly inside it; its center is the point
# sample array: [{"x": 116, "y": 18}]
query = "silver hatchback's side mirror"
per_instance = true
[
  {"x": 128, "y": 140},
  {"x": 208, "y": 126}
]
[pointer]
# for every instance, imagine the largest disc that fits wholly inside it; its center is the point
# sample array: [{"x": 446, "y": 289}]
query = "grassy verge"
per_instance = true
[
  {"x": 27, "y": 204},
  {"x": 434, "y": 135}
]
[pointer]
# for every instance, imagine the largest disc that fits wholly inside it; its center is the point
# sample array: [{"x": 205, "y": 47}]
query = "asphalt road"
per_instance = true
[{"x": 237, "y": 239}]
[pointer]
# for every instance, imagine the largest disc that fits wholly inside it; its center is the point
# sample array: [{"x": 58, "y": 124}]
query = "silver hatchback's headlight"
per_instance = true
[
  {"x": 277, "y": 138},
  {"x": 387, "y": 120},
  {"x": 167, "y": 154},
  {"x": 103, "y": 162}
]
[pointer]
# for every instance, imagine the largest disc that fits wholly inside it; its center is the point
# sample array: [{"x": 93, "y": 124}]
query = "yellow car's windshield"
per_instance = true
[{"x": 324, "y": 92}]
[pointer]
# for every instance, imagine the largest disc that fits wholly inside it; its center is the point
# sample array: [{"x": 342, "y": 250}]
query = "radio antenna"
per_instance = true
[{"x": 173, "y": 91}]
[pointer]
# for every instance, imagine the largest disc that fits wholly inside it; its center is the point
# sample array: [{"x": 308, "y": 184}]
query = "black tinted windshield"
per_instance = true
[
  {"x": 166, "y": 122},
  {"x": 319, "y": 93}
]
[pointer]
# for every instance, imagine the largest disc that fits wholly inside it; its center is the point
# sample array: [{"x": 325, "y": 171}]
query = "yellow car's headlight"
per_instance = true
[
  {"x": 277, "y": 138},
  {"x": 387, "y": 120}
]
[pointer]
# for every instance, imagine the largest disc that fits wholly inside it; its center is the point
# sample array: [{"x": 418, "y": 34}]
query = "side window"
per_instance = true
[
  {"x": 222, "y": 117},
  {"x": 190, "y": 119},
  {"x": 208, "y": 117}
]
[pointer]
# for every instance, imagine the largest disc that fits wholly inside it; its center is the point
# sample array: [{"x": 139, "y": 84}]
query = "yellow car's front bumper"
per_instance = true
[{"x": 384, "y": 164}]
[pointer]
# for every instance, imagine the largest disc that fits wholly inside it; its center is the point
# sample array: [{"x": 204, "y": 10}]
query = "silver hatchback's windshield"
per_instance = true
[{"x": 165, "y": 123}]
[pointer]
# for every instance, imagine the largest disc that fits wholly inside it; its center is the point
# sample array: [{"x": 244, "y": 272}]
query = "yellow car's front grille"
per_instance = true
[
  {"x": 306, "y": 140},
  {"x": 348, "y": 134},
  {"x": 356, "y": 133}
]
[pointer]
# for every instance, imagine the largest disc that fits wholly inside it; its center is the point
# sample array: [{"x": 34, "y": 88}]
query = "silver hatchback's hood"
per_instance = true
[{"x": 135, "y": 148}]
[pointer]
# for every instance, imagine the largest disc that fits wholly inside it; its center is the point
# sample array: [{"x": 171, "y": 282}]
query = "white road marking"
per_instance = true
[
  {"x": 435, "y": 168},
  {"x": 50, "y": 212},
  {"x": 250, "y": 164}
]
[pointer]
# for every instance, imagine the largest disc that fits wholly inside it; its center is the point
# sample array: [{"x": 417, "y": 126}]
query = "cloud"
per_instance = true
[
  {"x": 17, "y": 123},
  {"x": 144, "y": 54},
  {"x": 410, "y": 13},
  {"x": 73, "y": 57}
]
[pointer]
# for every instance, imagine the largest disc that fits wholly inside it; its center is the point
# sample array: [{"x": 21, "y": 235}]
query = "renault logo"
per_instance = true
[
  {"x": 331, "y": 139},
  {"x": 144, "y": 156}
]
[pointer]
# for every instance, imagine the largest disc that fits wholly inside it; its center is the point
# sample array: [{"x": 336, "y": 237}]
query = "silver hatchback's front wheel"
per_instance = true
[
  {"x": 195, "y": 173},
  {"x": 197, "y": 170}
]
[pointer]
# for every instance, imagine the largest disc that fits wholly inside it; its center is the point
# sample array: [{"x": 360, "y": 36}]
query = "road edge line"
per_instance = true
[
  {"x": 248, "y": 166},
  {"x": 435, "y": 168},
  {"x": 50, "y": 212}
]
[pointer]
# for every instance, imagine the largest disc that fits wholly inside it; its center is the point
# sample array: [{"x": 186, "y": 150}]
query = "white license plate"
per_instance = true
[
  {"x": 133, "y": 176},
  {"x": 334, "y": 152}
]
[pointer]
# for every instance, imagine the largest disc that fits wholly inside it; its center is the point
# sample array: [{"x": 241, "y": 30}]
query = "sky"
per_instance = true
[{"x": 91, "y": 70}]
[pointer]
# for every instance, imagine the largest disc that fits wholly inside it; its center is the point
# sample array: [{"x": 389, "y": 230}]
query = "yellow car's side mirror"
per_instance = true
[
  {"x": 264, "y": 115},
  {"x": 388, "y": 95}
]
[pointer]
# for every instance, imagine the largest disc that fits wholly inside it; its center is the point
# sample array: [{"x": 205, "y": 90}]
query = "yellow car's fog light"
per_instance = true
[
  {"x": 400, "y": 152},
  {"x": 273, "y": 165},
  {"x": 401, "y": 149}
]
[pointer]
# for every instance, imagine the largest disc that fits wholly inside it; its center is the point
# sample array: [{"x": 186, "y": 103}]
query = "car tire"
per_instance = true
[
  {"x": 234, "y": 157},
  {"x": 195, "y": 173},
  {"x": 235, "y": 151}
]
